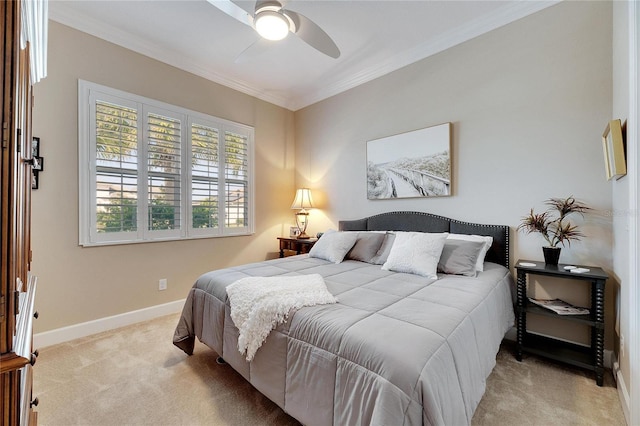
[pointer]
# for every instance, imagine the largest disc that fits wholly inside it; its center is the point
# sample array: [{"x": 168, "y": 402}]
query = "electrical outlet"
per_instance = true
[
  {"x": 621, "y": 344},
  {"x": 162, "y": 284}
]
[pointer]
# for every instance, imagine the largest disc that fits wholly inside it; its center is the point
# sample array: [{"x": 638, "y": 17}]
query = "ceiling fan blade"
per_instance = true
[
  {"x": 233, "y": 10},
  {"x": 254, "y": 50},
  {"x": 246, "y": 5},
  {"x": 313, "y": 35}
]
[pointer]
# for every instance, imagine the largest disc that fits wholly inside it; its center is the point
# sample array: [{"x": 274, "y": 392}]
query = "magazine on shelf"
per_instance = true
[{"x": 560, "y": 307}]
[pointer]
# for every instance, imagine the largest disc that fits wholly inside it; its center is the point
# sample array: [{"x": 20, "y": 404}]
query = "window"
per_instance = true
[{"x": 151, "y": 171}]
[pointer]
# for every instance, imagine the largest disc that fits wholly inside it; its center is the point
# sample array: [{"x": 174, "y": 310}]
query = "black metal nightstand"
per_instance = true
[{"x": 592, "y": 357}]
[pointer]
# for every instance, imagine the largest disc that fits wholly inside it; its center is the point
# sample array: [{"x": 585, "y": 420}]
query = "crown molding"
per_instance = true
[
  {"x": 66, "y": 16},
  {"x": 503, "y": 16}
]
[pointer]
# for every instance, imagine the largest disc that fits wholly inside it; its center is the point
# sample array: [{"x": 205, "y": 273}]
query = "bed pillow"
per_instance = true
[
  {"x": 459, "y": 257},
  {"x": 333, "y": 245},
  {"x": 383, "y": 252},
  {"x": 487, "y": 245},
  {"x": 416, "y": 253},
  {"x": 366, "y": 247}
]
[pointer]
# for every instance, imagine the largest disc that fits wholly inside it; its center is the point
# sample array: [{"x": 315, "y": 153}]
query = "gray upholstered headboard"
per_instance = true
[{"x": 427, "y": 222}]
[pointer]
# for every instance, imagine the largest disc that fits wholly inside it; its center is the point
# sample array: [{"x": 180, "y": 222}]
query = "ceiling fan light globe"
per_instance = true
[{"x": 271, "y": 25}]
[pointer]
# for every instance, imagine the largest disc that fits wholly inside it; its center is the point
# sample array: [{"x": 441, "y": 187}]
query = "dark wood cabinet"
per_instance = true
[
  {"x": 17, "y": 286},
  {"x": 589, "y": 357},
  {"x": 300, "y": 246}
]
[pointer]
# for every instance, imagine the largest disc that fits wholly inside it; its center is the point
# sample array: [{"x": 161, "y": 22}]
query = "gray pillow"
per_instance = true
[
  {"x": 366, "y": 247},
  {"x": 459, "y": 257},
  {"x": 483, "y": 238},
  {"x": 384, "y": 250},
  {"x": 333, "y": 246}
]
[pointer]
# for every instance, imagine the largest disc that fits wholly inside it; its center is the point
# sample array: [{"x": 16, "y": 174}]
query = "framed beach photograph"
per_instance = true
[
  {"x": 613, "y": 149},
  {"x": 412, "y": 164}
]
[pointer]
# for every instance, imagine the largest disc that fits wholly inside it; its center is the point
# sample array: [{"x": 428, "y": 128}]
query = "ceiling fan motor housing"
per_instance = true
[{"x": 271, "y": 21}]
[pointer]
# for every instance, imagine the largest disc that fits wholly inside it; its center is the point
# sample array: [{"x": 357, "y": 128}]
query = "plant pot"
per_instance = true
[{"x": 551, "y": 255}]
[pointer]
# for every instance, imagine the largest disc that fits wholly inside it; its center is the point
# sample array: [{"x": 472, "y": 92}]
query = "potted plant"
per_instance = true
[{"x": 554, "y": 226}]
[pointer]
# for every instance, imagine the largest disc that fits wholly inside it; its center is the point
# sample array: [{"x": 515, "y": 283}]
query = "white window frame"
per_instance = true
[{"x": 88, "y": 94}]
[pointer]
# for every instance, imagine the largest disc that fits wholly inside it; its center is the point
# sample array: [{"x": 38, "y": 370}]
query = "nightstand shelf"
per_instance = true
[
  {"x": 558, "y": 350},
  {"x": 300, "y": 246},
  {"x": 588, "y": 357},
  {"x": 584, "y": 319}
]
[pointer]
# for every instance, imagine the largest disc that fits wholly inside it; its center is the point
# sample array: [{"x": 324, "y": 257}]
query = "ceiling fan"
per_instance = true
[{"x": 273, "y": 22}]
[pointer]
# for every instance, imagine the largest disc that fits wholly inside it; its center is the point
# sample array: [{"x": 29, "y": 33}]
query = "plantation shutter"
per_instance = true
[
  {"x": 163, "y": 161},
  {"x": 150, "y": 171},
  {"x": 116, "y": 165},
  {"x": 204, "y": 177},
  {"x": 236, "y": 166}
]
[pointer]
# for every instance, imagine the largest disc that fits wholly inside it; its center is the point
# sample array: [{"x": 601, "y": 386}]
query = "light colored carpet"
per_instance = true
[{"x": 135, "y": 376}]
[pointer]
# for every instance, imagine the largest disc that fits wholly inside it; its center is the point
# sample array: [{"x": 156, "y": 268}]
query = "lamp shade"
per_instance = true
[{"x": 303, "y": 199}]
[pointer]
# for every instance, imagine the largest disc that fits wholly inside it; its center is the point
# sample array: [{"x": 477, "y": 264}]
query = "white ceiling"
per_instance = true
[{"x": 374, "y": 37}]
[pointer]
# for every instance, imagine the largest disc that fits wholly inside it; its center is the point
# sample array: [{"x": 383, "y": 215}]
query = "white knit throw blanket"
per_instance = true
[{"x": 259, "y": 304}]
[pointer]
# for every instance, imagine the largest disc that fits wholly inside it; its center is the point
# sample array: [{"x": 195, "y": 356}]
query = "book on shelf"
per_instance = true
[{"x": 560, "y": 307}]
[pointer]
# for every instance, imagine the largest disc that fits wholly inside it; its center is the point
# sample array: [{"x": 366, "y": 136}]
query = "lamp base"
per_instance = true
[{"x": 302, "y": 220}]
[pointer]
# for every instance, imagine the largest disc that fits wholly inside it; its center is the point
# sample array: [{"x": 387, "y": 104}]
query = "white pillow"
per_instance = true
[
  {"x": 487, "y": 245},
  {"x": 416, "y": 253},
  {"x": 333, "y": 245}
]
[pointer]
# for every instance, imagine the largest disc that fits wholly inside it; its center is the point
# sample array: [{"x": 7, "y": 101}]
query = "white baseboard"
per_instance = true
[
  {"x": 77, "y": 331},
  {"x": 608, "y": 359},
  {"x": 623, "y": 393}
]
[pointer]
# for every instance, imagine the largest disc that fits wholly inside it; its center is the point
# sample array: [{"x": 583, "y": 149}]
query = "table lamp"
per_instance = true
[{"x": 302, "y": 202}]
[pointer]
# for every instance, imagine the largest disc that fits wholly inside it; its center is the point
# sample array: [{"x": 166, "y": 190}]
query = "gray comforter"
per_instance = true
[{"x": 396, "y": 349}]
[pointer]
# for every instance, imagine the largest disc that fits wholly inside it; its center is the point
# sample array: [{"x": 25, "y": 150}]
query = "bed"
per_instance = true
[{"x": 397, "y": 348}]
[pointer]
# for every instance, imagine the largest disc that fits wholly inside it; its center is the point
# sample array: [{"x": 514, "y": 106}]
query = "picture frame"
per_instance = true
[
  {"x": 35, "y": 147},
  {"x": 411, "y": 164},
  {"x": 294, "y": 232},
  {"x": 613, "y": 150},
  {"x": 37, "y": 162},
  {"x": 35, "y": 180}
]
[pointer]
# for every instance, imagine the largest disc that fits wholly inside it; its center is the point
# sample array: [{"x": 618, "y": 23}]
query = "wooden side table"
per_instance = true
[
  {"x": 591, "y": 358},
  {"x": 300, "y": 246}
]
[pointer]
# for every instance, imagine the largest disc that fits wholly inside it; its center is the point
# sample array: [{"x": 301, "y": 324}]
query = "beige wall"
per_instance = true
[
  {"x": 528, "y": 103},
  {"x": 78, "y": 284},
  {"x": 621, "y": 209}
]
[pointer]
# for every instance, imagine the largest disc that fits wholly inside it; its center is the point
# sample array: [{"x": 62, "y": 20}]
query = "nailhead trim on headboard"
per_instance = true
[{"x": 419, "y": 221}]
